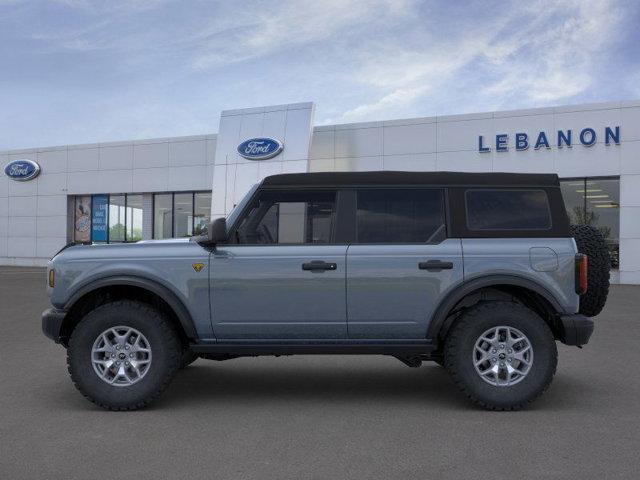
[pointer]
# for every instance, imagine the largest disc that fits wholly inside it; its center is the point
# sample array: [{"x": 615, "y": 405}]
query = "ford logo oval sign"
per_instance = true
[
  {"x": 22, "y": 170},
  {"x": 260, "y": 148}
]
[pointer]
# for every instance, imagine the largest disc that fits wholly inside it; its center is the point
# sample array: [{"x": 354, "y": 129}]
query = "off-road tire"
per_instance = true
[
  {"x": 165, "y": 347},
  {"x": 591, "y": 242},
  {"x": 460, "y": 343},
  {"x": 187, "y": 358}
]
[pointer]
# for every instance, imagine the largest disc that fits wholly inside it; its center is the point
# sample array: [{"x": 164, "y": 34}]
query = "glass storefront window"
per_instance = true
[
  {"x": 134, "y": 218},
  {"x": 108, "y": 218},
  {"x": 183, "y": 214},
  {"x": 596, "y": 202},
  {"x": 117, "y": 218},
  {"x": 162, "y": 215},
  {"x": 201, "y": 212}
]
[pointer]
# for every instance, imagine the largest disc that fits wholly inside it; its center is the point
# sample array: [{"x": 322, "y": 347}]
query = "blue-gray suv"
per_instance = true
[{"x": 481, "y": 273}]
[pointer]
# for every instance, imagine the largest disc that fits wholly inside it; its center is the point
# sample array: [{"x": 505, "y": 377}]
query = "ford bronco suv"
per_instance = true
[{"x": 481, "y": 273}]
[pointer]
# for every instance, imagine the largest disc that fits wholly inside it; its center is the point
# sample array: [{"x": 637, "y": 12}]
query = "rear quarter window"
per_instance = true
[{"x": 505, "y": 209}]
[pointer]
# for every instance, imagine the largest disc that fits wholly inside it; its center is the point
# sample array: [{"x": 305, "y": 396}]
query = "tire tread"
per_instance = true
[{"x": 590, "y": 242}]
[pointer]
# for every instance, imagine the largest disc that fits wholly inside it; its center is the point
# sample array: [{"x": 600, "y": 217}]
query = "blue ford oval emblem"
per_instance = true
[
  {"x": 22, "y": 170},
  {"x": 260, "y": 148}
]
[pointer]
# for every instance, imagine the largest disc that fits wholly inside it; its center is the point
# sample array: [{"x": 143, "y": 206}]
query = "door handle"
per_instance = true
[
  {"x": 319, "y": 266},
  {"x": 435, "y": 265}
]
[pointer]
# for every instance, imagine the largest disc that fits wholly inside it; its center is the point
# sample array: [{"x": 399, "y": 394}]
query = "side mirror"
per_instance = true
[{"x": 217, "y": 231}]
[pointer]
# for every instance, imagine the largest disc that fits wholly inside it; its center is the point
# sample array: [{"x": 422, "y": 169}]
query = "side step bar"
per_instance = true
[{"x": 403, "y": 349}]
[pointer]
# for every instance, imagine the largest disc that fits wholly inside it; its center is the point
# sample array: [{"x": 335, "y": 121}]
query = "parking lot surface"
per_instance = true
[{"x": 333, "y": 417}]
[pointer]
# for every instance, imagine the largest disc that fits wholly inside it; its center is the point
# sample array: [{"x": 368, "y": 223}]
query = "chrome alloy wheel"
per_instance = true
[
  {"x": 121, "y": 356},
  {"x": 503, "y": 356}
]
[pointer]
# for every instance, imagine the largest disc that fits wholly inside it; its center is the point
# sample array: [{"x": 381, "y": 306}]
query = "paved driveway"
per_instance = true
[{"x": 316, "y": 417}]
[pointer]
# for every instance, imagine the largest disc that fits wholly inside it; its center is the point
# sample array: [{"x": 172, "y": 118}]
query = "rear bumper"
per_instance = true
[
  {"x": 52, "y": 319},
  {"x": 576, "y": 329}
]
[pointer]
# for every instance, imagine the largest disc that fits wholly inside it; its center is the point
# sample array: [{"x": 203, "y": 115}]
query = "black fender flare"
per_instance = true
[
  {"x": 178, "y": 307},
  {"x": 446, "y": 305}
]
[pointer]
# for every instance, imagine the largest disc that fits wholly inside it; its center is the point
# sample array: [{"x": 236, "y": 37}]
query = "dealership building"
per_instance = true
[{"x": 171, "y": 187}]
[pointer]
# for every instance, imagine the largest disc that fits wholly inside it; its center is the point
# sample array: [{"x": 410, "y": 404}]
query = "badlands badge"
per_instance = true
[{"x": 198, "y": 266}]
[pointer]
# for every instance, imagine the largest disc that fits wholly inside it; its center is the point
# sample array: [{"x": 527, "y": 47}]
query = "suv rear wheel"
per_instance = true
[
  {"x": 501, "y": 354},
  {"x": 123, "y": 354}
]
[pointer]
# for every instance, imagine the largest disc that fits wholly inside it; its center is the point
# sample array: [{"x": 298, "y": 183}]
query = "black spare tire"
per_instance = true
[{"x": 591, "y": 243}]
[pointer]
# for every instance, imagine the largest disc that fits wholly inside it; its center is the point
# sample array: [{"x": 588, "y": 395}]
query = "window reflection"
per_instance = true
[
  {"x": 201, "y": 212},
  {"x": 117, "y": 215},
  {"x": 183, "y": 215},
  {"x": 134, "y": 218},
  {"x": 162, "y": 215},
  {"x": 596, "y": 202}
]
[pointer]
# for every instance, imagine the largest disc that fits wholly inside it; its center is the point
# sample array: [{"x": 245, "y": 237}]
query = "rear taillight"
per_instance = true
[{"x": 582, "y": 267}]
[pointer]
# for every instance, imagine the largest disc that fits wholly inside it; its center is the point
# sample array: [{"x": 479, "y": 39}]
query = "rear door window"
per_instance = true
[
  {"x": 400, "y": 216},
  {"x": 505, "y": 209}
]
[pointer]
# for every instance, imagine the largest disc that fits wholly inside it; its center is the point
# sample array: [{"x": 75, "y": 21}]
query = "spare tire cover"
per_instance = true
[{"x": 591, "y": 243}]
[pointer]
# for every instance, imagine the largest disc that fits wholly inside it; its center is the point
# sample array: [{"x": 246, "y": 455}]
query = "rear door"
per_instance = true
[{"x": 400, "y": 264}]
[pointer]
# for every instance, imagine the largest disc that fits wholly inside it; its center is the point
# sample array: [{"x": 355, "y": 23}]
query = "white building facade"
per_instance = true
[{"x": 171, "y": 187}]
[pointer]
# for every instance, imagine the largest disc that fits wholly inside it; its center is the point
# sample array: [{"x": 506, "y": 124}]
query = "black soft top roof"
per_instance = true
[{"x": 413, "y": 178}]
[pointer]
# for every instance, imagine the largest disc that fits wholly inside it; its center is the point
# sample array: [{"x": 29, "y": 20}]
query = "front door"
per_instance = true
[
  {"x": 280, "y": 276},
  {"x": 401, "y": 264}
]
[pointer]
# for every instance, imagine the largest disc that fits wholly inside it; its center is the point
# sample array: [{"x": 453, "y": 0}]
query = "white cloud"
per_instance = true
[
  {"x": 556, "y": 63},
  {"x": 405, "y": 76},
  {"x": 543, "y": 51},
  {"x": 167, "y": 67},
  {"x": 253, "y": 33},
  {"x": 397, "y": 98}
]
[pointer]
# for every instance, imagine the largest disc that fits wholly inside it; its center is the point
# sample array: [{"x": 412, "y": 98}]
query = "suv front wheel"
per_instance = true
[
  {"x": 501, "y": 354},
  {"x": 123, "y": 354}
]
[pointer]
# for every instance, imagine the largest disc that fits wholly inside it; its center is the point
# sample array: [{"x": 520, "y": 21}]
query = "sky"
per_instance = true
[{"x": 80, "y": 71}]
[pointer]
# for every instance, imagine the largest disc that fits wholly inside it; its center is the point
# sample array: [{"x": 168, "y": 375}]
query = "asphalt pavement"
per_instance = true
[{"x": 317, "y": 417}]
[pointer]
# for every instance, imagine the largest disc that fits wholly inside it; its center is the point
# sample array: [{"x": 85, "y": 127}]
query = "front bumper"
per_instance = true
[
  {"x": 575, "y": 329},
  {"x": 52, "y": 319}
]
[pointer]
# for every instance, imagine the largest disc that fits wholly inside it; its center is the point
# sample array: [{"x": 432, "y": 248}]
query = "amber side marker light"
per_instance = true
[
  {"x": 52, "y": 278},
  {"x": 582, "y": 271}
]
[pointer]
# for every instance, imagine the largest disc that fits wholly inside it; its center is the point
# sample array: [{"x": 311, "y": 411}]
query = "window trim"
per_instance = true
[{"x": 493, "y": 229}]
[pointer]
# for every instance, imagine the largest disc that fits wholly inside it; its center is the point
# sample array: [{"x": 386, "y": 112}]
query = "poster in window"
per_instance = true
[
  {"x": 82, "y": 220},
  {"x": 99, "y": 209}
]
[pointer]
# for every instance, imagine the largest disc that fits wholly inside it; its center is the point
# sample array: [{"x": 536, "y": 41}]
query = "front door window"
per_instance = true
[{"x": 289, "y": 218}]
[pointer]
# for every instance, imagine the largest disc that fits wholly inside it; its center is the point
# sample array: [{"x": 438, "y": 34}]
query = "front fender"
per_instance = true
[
  {"x": 169, "y": 296},
  {"x": 164, "y": 269}
]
